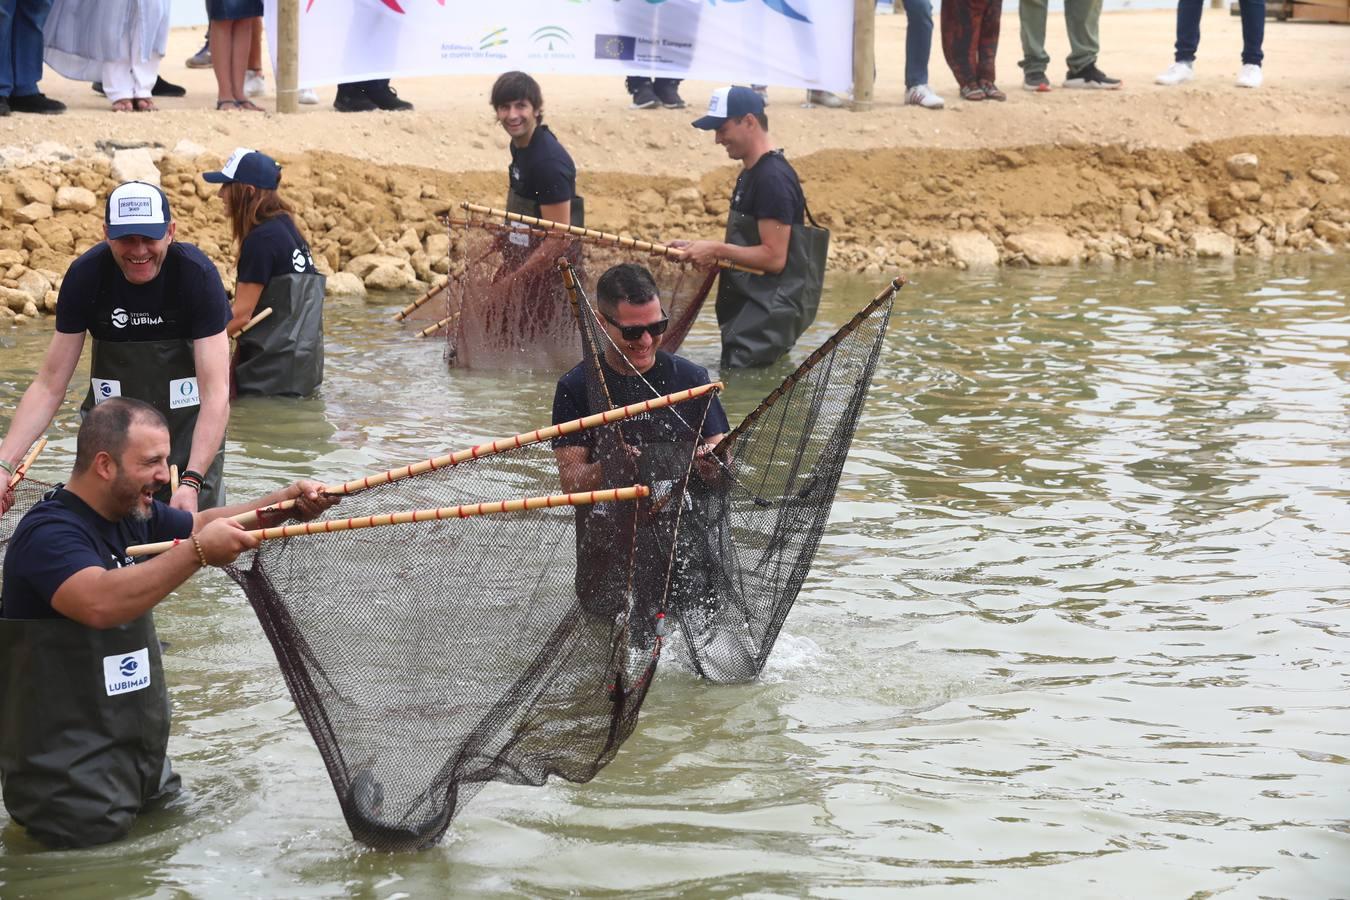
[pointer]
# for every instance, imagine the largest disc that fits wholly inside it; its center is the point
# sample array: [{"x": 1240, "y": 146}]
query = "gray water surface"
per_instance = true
[{"x": 1078, "y": 627}]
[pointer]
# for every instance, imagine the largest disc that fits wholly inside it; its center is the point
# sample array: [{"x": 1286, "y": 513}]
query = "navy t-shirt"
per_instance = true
[
  {"x": 59, "y": 537},
  {"x": 185, "y": 300},
  {"x": 770, "y": 190},
  {"x": 667, "y": 375},
  {"x": 542, "y": 171},
  {"x": 274, "y": 247}
]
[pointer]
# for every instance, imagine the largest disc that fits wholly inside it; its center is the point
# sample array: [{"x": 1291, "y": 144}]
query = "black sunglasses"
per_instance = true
[{"x": 634, "y": 332}]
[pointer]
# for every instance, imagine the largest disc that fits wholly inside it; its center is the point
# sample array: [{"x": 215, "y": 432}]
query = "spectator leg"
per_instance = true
[
  {"x": 1032, "y": 15},
  {"x": 1188, "y": 29},
  {"x": 1080, "y": 20},
  {"x": 1253, "y": 30},
  {"x": 918, "y": 41}
]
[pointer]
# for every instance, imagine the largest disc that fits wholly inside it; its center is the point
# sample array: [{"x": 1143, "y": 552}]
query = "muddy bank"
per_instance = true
[{"x": 890, "y": 210}]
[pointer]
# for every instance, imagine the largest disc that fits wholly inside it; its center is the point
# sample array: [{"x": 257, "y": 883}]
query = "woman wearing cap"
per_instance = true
[{"x": 283, "y": 354}]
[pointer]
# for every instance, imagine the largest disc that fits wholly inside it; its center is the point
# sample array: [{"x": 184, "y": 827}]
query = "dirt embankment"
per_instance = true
[{"x": 889, "y": 209}]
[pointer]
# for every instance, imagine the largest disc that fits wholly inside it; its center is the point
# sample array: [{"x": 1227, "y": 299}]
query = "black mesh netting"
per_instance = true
[
  {"x": 755, "y": 515},
  {"x": 429, "y": 659},
  {"x": 26, "y": 493},
  {"x": 505, "y": 308}
]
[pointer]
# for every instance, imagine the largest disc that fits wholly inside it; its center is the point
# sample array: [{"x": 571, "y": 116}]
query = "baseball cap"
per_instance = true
[
  {"x": 135, "y": 207},
  {"x": 730, "y": 103},
  {"x": 247, "y": 166}
]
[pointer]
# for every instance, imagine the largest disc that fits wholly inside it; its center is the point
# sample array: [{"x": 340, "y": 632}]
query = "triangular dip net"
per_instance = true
[
  {"x": 751, "y": 529},
  {"x": 430, "y": 659},
  {"x": 503, "y": 306},
  {"x": 27, "y": 492}
]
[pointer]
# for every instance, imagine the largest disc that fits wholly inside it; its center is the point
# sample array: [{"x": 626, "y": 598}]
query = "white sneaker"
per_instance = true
[
  {"x": 922, "y": 95},
  {"x": 254, "y": 85},
  {"x": 1249, "y": 76},
  {"x": 1177, "y": 73},
  {"x": 827, "y": 99},
  {"x": 307, "y": 96}
]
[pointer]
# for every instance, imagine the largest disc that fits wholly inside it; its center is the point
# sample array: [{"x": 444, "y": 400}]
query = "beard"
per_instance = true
[{"x": 126, "y": 491}]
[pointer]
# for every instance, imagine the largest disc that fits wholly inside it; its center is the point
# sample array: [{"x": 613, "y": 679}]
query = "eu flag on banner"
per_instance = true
[{"x": 615, "y": 46}]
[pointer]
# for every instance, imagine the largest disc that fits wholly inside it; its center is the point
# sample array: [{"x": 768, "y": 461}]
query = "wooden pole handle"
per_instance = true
[
  {"x": 576, "y": 230},
  {"x": 22, "y": 470},
  {"x": 253, "y": 321},
  {"x": 327, "y": 526}
]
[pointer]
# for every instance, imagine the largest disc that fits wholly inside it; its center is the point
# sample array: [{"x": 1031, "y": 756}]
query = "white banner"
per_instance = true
[{"x": 792, "y": 43}]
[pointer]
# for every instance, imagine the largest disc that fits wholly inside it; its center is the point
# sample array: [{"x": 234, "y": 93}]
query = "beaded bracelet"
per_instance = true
[
  {"x": 200, "y": 555},
  {"x": 192, "y": 479}
]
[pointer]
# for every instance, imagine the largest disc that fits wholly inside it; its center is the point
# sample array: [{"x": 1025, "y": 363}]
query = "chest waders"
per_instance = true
[
  {"x": 761, "y": 316},
  {"x": 283, "y": 354},
  {"x": 522, "y": 206},
  {"x": 84, "y": 725},
  {"x": 163, "y": 374}
]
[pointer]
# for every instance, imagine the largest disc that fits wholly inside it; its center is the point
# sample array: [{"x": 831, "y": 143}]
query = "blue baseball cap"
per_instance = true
[
  {"x": 136, "y": 207},
  {"x": 730, "y": 103},
  {"x": 247, "y": 166}
]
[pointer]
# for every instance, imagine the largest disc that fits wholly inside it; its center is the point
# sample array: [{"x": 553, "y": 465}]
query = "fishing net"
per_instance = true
[
  {"x": 504, "y": 307},
  {"x": 755, "y": 513},
  {"x": 26, "y": 493},
  {"x": 430, "y": 659}
]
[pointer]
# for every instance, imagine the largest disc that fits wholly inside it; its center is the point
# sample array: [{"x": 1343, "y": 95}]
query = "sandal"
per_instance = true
[
  {"x": 991, "y": 91},
  {"x": 972, "y": 92},
  {"x": 123, "y": 105},
  {"x": 227, "y": 104},
  {"x": 249, "y": 105},
  {"x": 144, "y": 104}
]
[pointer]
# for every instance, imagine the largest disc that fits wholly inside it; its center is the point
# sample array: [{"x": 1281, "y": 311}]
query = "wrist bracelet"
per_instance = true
[{"x": 200, "y": 555}]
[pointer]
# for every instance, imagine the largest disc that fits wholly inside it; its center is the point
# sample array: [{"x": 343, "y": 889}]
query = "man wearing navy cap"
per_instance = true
[
  {"x": 156, "y": 311},
  {"x": 761, "y": 316}
]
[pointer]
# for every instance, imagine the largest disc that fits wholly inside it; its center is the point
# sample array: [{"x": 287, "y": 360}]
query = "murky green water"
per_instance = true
[{"x": 1079, "y": 626}]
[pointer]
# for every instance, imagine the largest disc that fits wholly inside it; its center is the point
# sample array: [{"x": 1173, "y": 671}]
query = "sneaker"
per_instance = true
[
  {"x": 1250, "y": 76},
  {"x": 201, "y": 59},
  {"x": 669, "y": 95},
  {"x": 386, "y": 98},
  {"x": 645, "y": 98},
  {"x": 1177, "y": 73},
  {"x": 353, "y": 101},
  {"x": 164, "y": 88},
  {"x": 254, "y": 84},
  {"x": 98, "y": 88},
  {"x": 307, "y": 97},
  {"x": 38, "y": 103},
  {"x": 1091, "y": 77},
  {"x": 1036, "y": 82},
  {"x": 4, "y": 107},
  {"x": 922, "y": 95},
  {"x": 828, "y": 99}
]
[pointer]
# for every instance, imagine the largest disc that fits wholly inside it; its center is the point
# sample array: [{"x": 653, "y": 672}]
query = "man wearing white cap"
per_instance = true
[
  {"x": 157, "y": 312},
  {"x": 761, "y": 316}
]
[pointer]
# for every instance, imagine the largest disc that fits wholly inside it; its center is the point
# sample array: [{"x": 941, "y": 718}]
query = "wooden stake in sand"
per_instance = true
[
  {"x": 22, "y": 470},
  {"x": 251, "y": 519},
  {"x": 602, "y": 236},
  {"x": 327, "y": 526}
]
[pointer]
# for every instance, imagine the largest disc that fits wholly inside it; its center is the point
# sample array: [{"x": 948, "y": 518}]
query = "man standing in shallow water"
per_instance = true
[{"x": 156, "y": 310}]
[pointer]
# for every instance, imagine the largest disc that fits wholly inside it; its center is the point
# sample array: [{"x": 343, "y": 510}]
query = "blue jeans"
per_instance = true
[
  {"x": 1253, "y": 29},
  {"x": 21, "y": 24},
  {"x": 918, "y": 40}
]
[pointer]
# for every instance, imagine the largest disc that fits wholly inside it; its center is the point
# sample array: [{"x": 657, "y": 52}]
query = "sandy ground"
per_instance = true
[
  {"x": 1307, "y": 92},
  {"x": 1203, "y": 170}
]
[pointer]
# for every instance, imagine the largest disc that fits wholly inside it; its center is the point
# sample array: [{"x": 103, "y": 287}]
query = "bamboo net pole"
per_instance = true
[
  {"x": 173, "y": 479},
  {"x": 578, "y": 231},
  {"x": 328, "y": 526},
  {"x": 609, "y": 416},
  {"x": 432, "y": 329},
  {"x": 22, "y": 470},
  {"x": 253, "y": 321},
  {"x": 417, "y": 304}
]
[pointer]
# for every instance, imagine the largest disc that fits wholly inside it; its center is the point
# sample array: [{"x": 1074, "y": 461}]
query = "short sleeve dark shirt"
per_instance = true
[
  {"x": 53, "y": 541},
  {"x": 185, "y": 300},
  {"x": 667, "y": 375},
  {"x": 542, "y": 171},
  {"x": 770, "y": 190},
  {"x": 273, "y": 248}
]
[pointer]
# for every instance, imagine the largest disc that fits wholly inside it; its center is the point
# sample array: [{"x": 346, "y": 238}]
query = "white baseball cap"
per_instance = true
[{"x": 136, "y": 207}]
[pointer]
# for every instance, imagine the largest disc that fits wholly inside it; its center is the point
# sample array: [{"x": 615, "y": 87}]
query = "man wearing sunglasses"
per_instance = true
[{"x": 635, "y": 369}]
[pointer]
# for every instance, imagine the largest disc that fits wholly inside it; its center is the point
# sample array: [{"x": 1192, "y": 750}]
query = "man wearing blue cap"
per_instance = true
[
  {"x": 761, "y": 316},
  {"x": 156, "y": 311}
]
